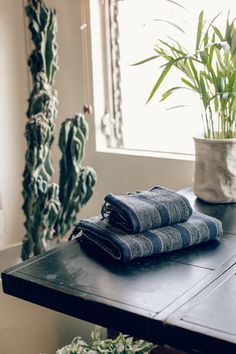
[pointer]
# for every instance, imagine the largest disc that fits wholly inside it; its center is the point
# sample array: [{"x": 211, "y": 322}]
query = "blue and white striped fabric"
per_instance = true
[
  {"x": 125, "y": 247},
  {"x": 140, "y": 211}
]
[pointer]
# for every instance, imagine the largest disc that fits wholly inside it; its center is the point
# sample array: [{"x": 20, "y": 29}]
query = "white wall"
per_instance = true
[
  {"x": 13, "y": 94},
  {"x": 116, "y": 173}
]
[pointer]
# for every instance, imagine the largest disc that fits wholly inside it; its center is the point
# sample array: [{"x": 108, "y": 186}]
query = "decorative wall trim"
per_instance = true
[
  {"x": 28, "y": 45},
  {"x": 115, "y": 72}
]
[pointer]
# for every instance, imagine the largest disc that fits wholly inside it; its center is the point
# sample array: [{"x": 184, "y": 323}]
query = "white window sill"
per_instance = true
[{"x": 143, "y": 153}]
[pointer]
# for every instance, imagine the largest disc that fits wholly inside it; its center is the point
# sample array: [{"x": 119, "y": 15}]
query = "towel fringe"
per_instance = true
[
  {"x": 107, "y": 208},
  {"x": 133, "y": 193},
  {"x": 104, "y": 210},
  {"x": 74, "y": 232}
]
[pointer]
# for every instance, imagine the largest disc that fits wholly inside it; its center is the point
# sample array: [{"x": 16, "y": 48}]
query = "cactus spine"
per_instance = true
[{"x": 50, "y": 209}]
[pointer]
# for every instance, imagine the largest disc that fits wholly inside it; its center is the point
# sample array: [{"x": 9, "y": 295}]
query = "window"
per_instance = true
[{"x": 131, "y": 29}]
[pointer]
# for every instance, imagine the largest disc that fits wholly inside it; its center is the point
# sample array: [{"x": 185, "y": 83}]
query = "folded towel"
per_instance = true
[
  {"x": 124, "y": 247},
  {"x": 140, "y": 211}
]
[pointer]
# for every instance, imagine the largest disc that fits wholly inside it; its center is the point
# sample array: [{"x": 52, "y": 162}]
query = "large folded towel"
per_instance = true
[
  {"x": 140, "y": 211},
  {"x": 124, "y": 247}
]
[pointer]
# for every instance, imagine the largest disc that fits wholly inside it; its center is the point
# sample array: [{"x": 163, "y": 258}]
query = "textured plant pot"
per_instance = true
[{"x": 215, "y": 170}]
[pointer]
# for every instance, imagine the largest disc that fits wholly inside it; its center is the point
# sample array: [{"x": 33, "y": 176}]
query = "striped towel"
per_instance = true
[
  {"x": 141, "y": 211},
  {"x": 124, "y": 247}
]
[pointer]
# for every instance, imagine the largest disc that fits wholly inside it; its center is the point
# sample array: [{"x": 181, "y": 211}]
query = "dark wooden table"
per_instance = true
[{"x": 186, "y": 299}]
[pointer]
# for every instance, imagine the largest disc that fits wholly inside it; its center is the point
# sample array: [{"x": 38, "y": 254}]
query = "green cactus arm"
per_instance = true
[
  {"x": 82, "y": 194},
  {"x": 41, "y": 224},
  {"x": 76, "y": 183},
  {"x": 43, "y": 27},
  {"x": 86, "y": 184}
]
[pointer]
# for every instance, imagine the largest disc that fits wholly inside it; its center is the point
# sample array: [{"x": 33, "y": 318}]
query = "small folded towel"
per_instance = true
[
  {"x": 141, "y": 211},
  {"x": 124, "y": 247}
]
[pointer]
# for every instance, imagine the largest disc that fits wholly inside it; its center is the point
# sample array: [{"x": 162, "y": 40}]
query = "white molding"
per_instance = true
[{"x": 28, "y": 45}]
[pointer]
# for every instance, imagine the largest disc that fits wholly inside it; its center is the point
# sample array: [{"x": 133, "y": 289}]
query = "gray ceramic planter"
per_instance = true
[{"x": 215, "y": 170}]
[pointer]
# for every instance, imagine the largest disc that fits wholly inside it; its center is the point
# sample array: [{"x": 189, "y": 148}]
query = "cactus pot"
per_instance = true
[{"x": 215, "y": 170}]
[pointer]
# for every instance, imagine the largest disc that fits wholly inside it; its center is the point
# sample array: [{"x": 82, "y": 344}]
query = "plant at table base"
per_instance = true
[
  {"x": 210, "y": 71},
  {"x": 50, "y": 209},
  {"x": 123, "y": 344}
]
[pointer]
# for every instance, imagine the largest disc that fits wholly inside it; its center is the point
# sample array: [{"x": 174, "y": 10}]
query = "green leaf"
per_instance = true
[
  {"x": 169, "y": 92},
  {"x": 172, "y": 48},
  {"x": 219, "y": 60},
  {"x": 216, "y": 104},
  {"x": 203, "y": 56},
  {"x": 211, "y": 50},
  {"x": 199, "y": 30},
  {"x": 233, "y": 42},
  {"x": 159, "y": 81},
  {"x": 207, "y": 76},
  {"x": 227, "y": 29},
  {"x": 205, "y": 97},
  {"x": 194, "y": 70},
  {"x": 146, "y": 60},
  {"x": 213, "y": 20},
  {"x": 218, "y": 33},
  {"x": 179, "y": 106},
  {"x": 234, "y": 105},
  {"x": 210, "y": 24},
  {"x": 206, "y": 39},
  {"x": 174, "y": 61},
  {"x": 232, "y": 81},
  {"x": 172, "y": 24},
  {"x": 176, "y": 3},
  {"x": 186, "y": 82}
]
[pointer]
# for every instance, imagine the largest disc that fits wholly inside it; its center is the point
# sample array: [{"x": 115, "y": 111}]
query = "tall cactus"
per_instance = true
[{"x": 50, "y": 209}]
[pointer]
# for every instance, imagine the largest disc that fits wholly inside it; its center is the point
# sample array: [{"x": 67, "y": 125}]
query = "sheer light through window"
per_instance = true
[{"x": 157, "y": 126}]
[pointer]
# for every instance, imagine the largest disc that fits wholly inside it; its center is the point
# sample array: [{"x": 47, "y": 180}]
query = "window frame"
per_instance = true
[{"x": 104, "y": 33}]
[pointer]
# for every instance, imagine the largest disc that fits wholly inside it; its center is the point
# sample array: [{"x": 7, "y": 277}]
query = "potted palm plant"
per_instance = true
[{"x": 211, "y": 73}]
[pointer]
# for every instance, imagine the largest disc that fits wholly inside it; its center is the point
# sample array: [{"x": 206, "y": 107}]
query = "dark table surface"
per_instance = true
[{"x": 186, "y": 298}]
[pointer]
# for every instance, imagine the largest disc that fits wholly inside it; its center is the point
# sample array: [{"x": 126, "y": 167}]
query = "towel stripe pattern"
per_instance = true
[
  {"x": 141, "y": 211},
  {"x": 124, "y": 247}
]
